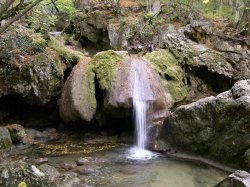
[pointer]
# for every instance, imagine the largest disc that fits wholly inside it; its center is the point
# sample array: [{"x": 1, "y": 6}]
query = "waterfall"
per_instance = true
[
  {"x": 140, "y": 115},
  {"x": 142, "y": 95}
]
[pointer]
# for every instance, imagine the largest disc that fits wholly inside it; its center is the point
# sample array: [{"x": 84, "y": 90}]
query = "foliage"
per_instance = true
[
  {"x": 168, "y": 68},
  {"x": 44, "y": 17},
  {"x": 69, "y": 56},
  {"x": 104, "y": 66},
  {"x": 42, "y": 22}
]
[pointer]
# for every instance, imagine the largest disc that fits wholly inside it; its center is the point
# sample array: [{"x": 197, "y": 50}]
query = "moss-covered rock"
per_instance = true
[
  {"x": 69, "y": 56},
  {"x": 78, "y": 95},
  {"x": 28, "y": 68},
  {"x": 217, "y": 127},
  {"x": 170, "y": 71},
  {"x": 104, "y": 67}
]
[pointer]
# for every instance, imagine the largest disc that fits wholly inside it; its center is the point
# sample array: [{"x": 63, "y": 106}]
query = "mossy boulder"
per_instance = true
[
  {"x": 78, "y": 94},
  {"x": 170, "y": 71},
  {"x": 119, "y": 98},
  {"x": 104, "y": 65},
  {"x": 218, "y": 127},
  {"x": 29, "y": 69}
]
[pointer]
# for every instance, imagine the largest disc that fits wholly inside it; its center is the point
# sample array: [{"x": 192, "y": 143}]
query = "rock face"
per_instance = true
[
  {"x": 120, "y": 97},
  {"x": 28, "y": 69},
  {"x": 196, "y": 45},
  {"x": 78, "y": 95},
  {"x": 217, "y": 127},
  {"x": 237, "y": 179},
  {"x": 5, "y": 139},
  {"x": 15, "y": 172}
]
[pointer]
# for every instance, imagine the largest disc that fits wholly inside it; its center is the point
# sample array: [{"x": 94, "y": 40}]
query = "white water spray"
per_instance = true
[
  {"x": 142, "y": 94},
  {"x": 140, "y": 115}
]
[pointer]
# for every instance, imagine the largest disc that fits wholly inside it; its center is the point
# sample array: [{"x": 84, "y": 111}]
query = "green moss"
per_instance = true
[
  {"x": 168, "y": 68},
  {"x": 104, "y": 67},
  {"x": 68, "y": 55},
  {"x": 22, "y": 184},
  {"x": 91, "y": 84}
]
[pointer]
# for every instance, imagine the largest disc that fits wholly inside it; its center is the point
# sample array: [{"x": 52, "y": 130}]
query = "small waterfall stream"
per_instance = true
[
  {"x": 142, "y": 95},
  {"x": 140, "y": 114}
]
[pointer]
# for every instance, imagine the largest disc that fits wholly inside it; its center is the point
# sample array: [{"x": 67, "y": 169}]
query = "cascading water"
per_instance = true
[
  {"x": 140, "y": 115},
  {"x": 142, "y": 95}
]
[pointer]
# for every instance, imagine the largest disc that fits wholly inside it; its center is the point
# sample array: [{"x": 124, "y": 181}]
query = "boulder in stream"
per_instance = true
[
  {"x": 216, "y": 127},
  {"x": 12, "y": 173},
  {"x": 237, "y": 179}
]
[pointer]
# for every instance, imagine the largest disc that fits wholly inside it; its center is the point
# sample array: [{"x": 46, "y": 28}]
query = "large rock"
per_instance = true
[
  {"x": 5, "y": 139},
  {"x": 119, "y": 98},
  {"x": 29, "y": 69},
  {"x": 78, "y": 95},
  {"x": 13, "y": 173},
  {"x": 237, "y": 179},
  {"x": 218, "y": 127}
]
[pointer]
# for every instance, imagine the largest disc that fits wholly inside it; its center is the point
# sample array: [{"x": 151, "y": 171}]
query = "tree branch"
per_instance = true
[
  {"x": 17, "y": 17},
  {"x": 5, "y": 7}
]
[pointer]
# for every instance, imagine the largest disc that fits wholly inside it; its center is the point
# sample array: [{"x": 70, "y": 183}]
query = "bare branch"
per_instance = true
[
  {"x": 5, "y": 7},
  {"x": 17, "y": 17}
]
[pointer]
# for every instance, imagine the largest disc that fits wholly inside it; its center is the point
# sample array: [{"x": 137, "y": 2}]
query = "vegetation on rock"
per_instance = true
[
  {"x": 104, "y": 67},
  {"x": 170, "y": 71}
]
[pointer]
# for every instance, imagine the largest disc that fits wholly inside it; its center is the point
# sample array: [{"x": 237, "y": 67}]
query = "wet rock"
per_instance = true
[
  {"x": 14, "y": 172},
  {"x": 41, "y": 160},
  {"x": 49, "y": 170},
  {"x": 68, "y": 165},
  {"x": 82, "y": 161},
  {"x": 87, "y": 170},
  {"x": 5, "y": 138},
  {"x": 28, "y": 69},
  {"x": 78, "y": 95},
  {"x": 17, "y": 133},
  {"x": 214, "y": 126},
  {"x": 119, "y": 98},
  {"x": 35, "y": 136},
  {"x": 237, "y": 179}
]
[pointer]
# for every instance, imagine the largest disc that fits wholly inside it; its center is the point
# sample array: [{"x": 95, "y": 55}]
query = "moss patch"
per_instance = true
[
  {"x": 104, "y": 67},
  {"x": 68, "y": 55},
  {"x": 91, "y": 84},
  {"x": 168, "y": 68}
]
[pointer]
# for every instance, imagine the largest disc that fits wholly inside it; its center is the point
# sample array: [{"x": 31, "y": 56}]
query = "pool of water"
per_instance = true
[{"x": 117, "y": 170}]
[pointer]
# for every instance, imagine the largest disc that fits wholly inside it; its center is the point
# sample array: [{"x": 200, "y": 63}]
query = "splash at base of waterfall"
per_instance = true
[{"x": 136, "y": 153}]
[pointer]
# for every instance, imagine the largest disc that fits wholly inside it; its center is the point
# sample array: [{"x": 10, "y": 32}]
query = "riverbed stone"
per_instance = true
[
  {"x": 12, "y": 173},
  {"x": 217, "y": 127},
  {"x": 17, "y": 133},
  {"x": 49, "y": 170},
  {"x": 237, "y": 179},
  {"x": 5, "y": 138},
  {"x": 68, "y": 165}
]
